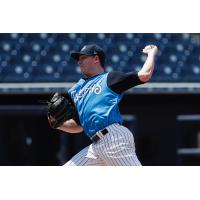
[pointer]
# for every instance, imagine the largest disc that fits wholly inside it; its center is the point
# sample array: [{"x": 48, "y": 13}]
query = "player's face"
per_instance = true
[{"x": 86, "y": 63}]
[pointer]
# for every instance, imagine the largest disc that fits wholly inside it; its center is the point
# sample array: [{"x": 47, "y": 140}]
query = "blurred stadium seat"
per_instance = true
[{"x": 44, "y": 57}]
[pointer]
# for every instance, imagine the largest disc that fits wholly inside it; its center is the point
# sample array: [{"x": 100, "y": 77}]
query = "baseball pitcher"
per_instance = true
[{"x": 92, "y": 106}]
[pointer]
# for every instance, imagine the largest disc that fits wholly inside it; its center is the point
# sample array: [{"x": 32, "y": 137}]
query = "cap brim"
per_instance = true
[{"x": 75, "y": 55}]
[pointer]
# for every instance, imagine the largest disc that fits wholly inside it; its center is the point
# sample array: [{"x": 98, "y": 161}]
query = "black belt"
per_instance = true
[{"x": 96, "y": 137}]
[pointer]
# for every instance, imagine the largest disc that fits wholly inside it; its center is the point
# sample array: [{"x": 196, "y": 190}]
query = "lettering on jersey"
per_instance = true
[{"x": 96, "y": 88}]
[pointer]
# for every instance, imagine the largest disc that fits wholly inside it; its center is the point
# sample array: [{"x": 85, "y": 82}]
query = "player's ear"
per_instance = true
[{"x": 97, "y": 59}]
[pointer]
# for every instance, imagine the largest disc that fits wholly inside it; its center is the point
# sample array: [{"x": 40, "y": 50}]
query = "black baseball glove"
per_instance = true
[{"x": 60, "y": 109}]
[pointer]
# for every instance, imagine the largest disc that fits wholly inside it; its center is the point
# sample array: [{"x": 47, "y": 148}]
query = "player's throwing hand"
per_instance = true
[{"x": 150, "y": 49}]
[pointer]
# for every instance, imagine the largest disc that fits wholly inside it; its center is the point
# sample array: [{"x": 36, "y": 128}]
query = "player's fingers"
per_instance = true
[
  {"x": 149, "y": 46},
  {"x": 145, "y": 50}
]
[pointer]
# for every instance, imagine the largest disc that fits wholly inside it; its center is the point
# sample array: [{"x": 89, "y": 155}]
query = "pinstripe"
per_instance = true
[
  {"x": 123, "y": 135},
  {"x": 123, "y": 156},
  {"x": 109, "y": 143},
  {"x": 135, "y": 156},
  {"x": 113, "y": 144},
  {"x": 124, "y": 151},
  {"x": 106, "y": 150},
  {"x": 80, "y": 156},
  {"x": 101, "y": 161},
  {"x": 106, "y": 147},
  {"x": 126, "y": 140},
  {"x": 138, "y": 162},
  {"x": 114, "y": 159},
  {"x": 126, "y": 136},
  {"x": 102, "y": 150},
  {"x": 135, "y": 160},
  {"x": 119, "y": 151},
  {"x": 76, "y": 159},
  {"x": 83, "y": 161},
  {"x": 130, "y": 151}
]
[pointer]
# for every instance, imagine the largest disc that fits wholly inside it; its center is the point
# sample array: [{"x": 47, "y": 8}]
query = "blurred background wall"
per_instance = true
[{"x": 163, "y": 114}]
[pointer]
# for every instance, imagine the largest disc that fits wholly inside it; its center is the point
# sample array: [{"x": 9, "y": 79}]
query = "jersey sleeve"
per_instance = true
[{"x": 119, "y": 82}]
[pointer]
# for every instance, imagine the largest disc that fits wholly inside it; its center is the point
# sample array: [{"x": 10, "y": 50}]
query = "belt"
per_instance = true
[{"x": 99, "y": 135}]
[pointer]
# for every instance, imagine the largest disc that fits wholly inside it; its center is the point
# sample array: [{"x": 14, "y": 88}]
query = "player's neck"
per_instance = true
[{"x": 87, "y": 76}]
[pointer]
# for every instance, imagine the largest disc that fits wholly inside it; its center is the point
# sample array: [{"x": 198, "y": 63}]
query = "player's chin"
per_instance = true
[{"x": 83, "y": 70}]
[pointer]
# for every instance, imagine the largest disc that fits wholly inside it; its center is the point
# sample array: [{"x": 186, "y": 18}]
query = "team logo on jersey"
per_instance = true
[{"x": 96, "y": 88}]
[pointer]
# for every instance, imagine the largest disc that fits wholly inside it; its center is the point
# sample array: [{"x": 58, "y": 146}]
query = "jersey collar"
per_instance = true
[{"x": 90, "y": 77}]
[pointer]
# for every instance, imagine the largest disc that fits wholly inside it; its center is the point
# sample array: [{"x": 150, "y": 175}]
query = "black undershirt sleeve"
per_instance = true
[
  {"x": 119, "y": 82},
  {"x": 76, "y": 116}
]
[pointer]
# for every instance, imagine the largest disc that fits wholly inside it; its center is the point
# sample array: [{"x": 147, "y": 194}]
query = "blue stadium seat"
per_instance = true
[
  {"x": 37, "y": 57},
  {"x": 16, "y": 73}
]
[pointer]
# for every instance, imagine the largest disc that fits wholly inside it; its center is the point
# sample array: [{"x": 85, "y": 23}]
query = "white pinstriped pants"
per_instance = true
[{"x": 116, "y": 148}]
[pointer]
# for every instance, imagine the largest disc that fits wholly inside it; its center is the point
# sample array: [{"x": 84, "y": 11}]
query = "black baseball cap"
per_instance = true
[{"x": 90, "y": 50}]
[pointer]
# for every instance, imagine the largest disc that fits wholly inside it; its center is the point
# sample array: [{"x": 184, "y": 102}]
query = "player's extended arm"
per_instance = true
[
  {"x": 145, "y": 73},
  {"x": 70, "y": 126}
]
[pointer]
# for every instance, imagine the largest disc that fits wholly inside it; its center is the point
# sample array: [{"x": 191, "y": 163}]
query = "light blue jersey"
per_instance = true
[{"x": 96, "y": 103}]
